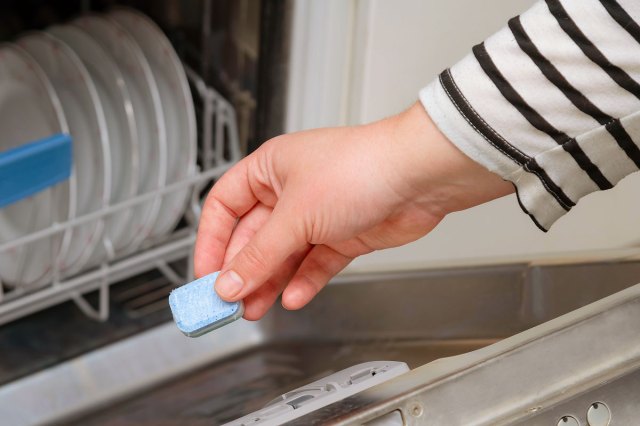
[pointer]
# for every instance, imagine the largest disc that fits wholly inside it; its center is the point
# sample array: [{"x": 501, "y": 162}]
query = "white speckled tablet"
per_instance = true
[{"x": 197, "y": 309}]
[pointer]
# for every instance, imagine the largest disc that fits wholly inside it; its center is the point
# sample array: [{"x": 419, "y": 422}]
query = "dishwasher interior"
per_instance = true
[
  {"x": 135, "y": 176},
  {"x": 99, "y": 347}
]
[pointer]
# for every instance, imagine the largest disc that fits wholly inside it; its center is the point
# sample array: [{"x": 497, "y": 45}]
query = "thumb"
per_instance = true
[{"x": 261, "y": 258}]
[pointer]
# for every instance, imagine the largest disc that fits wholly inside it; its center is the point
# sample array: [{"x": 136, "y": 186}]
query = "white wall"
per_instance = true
[{"x": 360, "y": 60}]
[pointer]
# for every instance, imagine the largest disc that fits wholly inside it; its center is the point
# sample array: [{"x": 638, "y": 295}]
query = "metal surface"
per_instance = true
[
  {"x": 117, "y": 371},
  {"x": 536, "y": 377},
  {"x": 158, "y": 377},
  {"x": 276, "y": 17},
  {"x": 621, "y": 394}
]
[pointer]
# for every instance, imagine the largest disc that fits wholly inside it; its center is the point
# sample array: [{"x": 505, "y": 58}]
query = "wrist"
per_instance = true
[{"x": 431, "y": 170}]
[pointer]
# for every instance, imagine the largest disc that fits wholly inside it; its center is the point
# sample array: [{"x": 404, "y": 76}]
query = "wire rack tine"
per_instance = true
[
  {"x": 102, "y": 312},
  {"x": 170, "y": 273}
]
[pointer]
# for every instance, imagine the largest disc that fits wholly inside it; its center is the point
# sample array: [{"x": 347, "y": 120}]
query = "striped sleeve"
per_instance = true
[{"x": 551, "y": 102}]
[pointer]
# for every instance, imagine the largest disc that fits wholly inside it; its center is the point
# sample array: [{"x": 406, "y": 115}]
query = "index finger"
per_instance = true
[{"x": 230, "y": 198}]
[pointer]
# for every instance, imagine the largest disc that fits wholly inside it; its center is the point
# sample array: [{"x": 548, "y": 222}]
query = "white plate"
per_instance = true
[
  {"x": 178, "y": 110},
  {"x": 121, "y": 127},
  {"x": 30, "y": 110},
  {"x": 147, "y": 110},
  {"x": 88, "y": 129}
]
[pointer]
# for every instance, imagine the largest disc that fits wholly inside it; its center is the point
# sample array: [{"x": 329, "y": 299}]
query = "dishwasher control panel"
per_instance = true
[
  {"x": 598, "y": 414},
  {"x": 614, "y": 402}
]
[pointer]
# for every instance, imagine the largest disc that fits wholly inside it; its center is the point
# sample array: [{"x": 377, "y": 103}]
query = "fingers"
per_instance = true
[
  {"x": 245, "y": 229},
  {"x": 261, "y": 257},
  {"x": 230, "y": 198},
  {"x": 258, "y": 303},
  {"x": 321, "y": 264}
]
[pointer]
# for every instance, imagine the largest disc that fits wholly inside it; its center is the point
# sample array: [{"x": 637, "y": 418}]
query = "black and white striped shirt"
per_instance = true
[{"x": 551, "y": 102}]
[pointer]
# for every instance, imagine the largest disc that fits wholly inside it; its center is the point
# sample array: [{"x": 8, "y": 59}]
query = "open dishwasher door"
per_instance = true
[
  {"x": 582, "y": 368},
  {"x": 504, "y": 344}
]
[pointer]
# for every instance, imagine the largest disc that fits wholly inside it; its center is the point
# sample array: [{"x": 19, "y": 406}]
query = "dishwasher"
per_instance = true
[{"x": 92, "y": 342}]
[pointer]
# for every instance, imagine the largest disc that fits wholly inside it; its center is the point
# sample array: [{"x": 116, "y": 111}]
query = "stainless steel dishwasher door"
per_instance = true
[{"x": 162, "y": 377}]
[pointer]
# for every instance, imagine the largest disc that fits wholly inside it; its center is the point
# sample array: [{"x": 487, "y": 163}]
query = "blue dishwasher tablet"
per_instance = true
[{"x": 197, "y": 309}]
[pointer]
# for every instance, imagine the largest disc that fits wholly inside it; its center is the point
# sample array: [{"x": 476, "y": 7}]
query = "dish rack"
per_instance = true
[{"x": 220, "y": 149}]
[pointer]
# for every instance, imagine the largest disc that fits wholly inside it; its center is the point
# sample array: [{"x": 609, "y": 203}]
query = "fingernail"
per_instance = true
[{"x": 229, "y": 284}]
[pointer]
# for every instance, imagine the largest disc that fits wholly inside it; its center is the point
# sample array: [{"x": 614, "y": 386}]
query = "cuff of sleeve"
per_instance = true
[{"x": 534, "y": 198}]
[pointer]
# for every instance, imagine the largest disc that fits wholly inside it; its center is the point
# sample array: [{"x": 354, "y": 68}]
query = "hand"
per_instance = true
[{"x": 293, "y": 214}]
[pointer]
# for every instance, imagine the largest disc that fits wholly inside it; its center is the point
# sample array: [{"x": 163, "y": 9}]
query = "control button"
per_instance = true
[
  {"x": 568, "y": 421},
  {"x": 297, "y": 402},
  {"x": 598, "y": 414}
]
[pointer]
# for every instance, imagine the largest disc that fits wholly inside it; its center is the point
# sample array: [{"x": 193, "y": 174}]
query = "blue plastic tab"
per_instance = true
[
  {"x": 33, "y": 167},
  {"x": 197, "y": 308}
]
